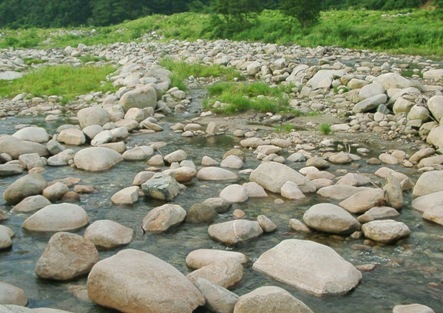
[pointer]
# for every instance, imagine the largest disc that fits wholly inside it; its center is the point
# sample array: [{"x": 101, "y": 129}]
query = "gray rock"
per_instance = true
[
  {"x": 328, "y": 217},
  {"x": 33, "y": 134},
  {"x": 6, "y": 235},
  {"x": 362, "y": 201},
  {"x": 142, "y": 97},
  {"x": 29, "y": 185},
  {"x": 176, "y": 156},
  {"x": 201, "y": 213},
  {"x": 370, "y": 90},
  {"x": 270, "y": 299},
  {"x": 72, "y": 136},
  {"x": 339, "y": 192},
  {"x": 435, "y": 74},
  {"x": 309, "y": 266},
  {"x": 435, "y": 105},
  {"x": 323, "y": 78},
  {"x": 128, "y": 195},
  {"x": 161, "y": 187},
  {"x": 423, "y": 203},
  {"x": 233, "y": 232},
  {"x": 10, "y": 169},
  {"x": 377, "y": 213},
  {"x": 61, "y": 159},
  {"x": 427, "y": 183},
  {"x": 215, "y": 174},
  {"x": 218, "y": 299},
  {"x": 149, "y": 283},
  {"x": 234, "y": 193},
  {"x": 138, "y": 153},
  {"x": 55, "y": 191},
  {"x": 266, "y": 224},
  {"x": 369, "y": 104},
  {"x": 16, "y": 147},
  {"x": 393, "y": 80},
  {"x": 31, "y": 203},
  {"x": 66, "y": 256}
]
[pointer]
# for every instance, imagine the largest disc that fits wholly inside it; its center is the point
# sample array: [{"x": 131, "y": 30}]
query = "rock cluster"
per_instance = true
[{"x": 372, "y": 95}]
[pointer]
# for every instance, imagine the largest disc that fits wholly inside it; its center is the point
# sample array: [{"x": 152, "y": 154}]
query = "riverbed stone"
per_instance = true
[
  {"x": 6, "y": 235},
  {"x": 161, "y": 187},
  {"x": 202, "y": 257},
  {"x": 96, "y": 159},
  {"x": 176, "y": 156},
  {"x": 15, "y": 147},
  {"x": 31, "y": 203},
  {"x": 393, "y": 192},
  {"x": 29, "y": 185},
  {"x": 225, "y": 273},
  {"x": 330, "y": 218},
  {"x": 212, "y": 173},
  {"x": 10, "y": 294},
  {"x": 232, "y": 161},
  {"x": 370, "y": 90},
  {"x": 434, "y": 214},
  {"x": 270, "y": 299},
  {"x": 10, "y": 169},
  {"x": 33, "y": 134},
  {"x": 108, "y": 234},
  {"x": 266, "y": 224},
  {"x": 234, "y": 193},
  {"x": 162, "y": 218},
  {"x": 354, "y": 179},
  {"x": 66, "y": 256},
  {"x": 55, "y": 191},
  {"x": 183, "y": 174},
  {"x": 272, "y": 176},
  {"x": 219, "y": 205},
  {"x": 377, "y": 213},
  {"x": 201, "y": 213},
  {"x": 412, "y": 308},
  {"x": 428, "y": 201},
  {"x": 218, "y": 299},
  {"x": 362, "y": 201},
  {"x": 128, "y": 195},
  {"x": 435, "y": 105},
  {"x": 291, "y": 191},
  {"x": 385, "y": 231},
  {"x": 370, "y": 104},
  {"x": 435, "y": 137},
  {"x": 132, "y": 281},
  {"x": 94, "y": 115},
  {"x": 138, "y": 153},
  {"x": 421, "y": 154},
  {"x": 309, "y": 266},
  {"x": 254, "y": 190},
  {"x": 233, "y": 232},
  {"x": 339, "y": 192},
  {"x": 428, "y": 182},
  {"x": 142, "y": 97},
  {"x": 57, "y": 217},
  {"x": 63, "y": 158},
  {"x": 72, "y": 136},
  {"x": 142, "y": 177}
]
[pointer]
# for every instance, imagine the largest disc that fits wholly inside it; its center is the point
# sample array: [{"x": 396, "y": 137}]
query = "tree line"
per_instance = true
[{"x": 65, "y": 13}]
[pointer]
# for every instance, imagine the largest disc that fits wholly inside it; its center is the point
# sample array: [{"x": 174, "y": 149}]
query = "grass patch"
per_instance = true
[
  {"x": 325, "y": 129},
  {"x": 284, "y": 128},
  {"x": 183, "y": 70},
  {"x": 31, "y": 61},
  {"x": 235, "y": 97},
  {"x": 63, "y": 80},
  {"x": 91, "y": 58}
]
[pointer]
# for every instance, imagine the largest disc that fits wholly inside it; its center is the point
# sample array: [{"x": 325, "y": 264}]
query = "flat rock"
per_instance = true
[
  {"x": 331, "y": 218},
  {"x": 202, "y": 257},
  {"x": 309, "y": 266},
  {"x": 339, "y": 192},
  {"x": 96, "y": 159},
  {"x": 385, "y": 231},
  {"x": 57, "y": 217},
  {"x": 428, "y": 182},
  {"x": 270, "y": 299},
  {"x": 151, "y": 285},
  {"x": 362, "y": 201},
  {"x": 377, "y": 213},
  {"x": 428, "y": 201},
  {"x": 16, "y": 147},
  {"x": 212, "y": 173},
  {"x": 32, "y": 133},
  {"x": 434, "y": 214},
  {"x": 225, "y": 273},
  {"x": 29, "y": 185}
]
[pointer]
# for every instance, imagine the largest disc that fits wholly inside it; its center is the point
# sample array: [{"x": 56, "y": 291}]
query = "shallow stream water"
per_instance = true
[{"x": 410, "y": 271}]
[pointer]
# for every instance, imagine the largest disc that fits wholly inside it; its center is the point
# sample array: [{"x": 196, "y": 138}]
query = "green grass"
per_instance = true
[
  {"x": 284, "y": 128},
  {"x": 63, "y": 80},
  {"x": 182, "y": 70},
  {"x": 325, "y": 129},
  {"x": 235, "y": 97}
]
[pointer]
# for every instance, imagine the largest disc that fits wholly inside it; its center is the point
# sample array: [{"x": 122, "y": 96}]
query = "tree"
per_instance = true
[{"x": 307, "y": 12}]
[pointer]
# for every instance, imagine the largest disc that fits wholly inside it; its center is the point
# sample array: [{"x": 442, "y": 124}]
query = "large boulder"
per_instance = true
[
  {"x": 309, "y": 266},
  {"x": 428, "y": 182},
  {"x": 96, "y": 159},
  {"x": 135, "y": 281},
  {"x": 72, "y": 136},
  {"x": 270, "y": 299},
  {"x": 435, "y": 105},
  {"x": 370, "y": 104},
  {"x": 94, "y": 115},
  {"x": 339, "y": 192},
  {"x": 428, "y": 201},
  {"x": 218, "y": 299},
  {"x": 434, "y": 214},
  {"x": 225, "y": 273},
  {"x": 161, "y": 187},
  {"x": 323, "y": 78},
  {"x": 233, "y": 232},
  {"x": 392, "y": 80},
  {"x": 272, "y": 176},
  {"x": 331, "y": 218},
  {"x": 16, "y": 147},
  {"x": 31, "y": 203},
  {"x": 32, "y": 133},
  {"x": 66, "y": 256},
  {"x": 362, "y": 201},
  {"x": 370, "y": 90},
  {"x": 57, "y": 217},
  {"x": 142, "y": 97},
  {"x": 435, "y": 137},
  {"x": 29, "y": 185}
]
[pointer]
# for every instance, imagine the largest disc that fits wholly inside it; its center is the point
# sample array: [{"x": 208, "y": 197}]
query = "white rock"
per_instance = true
[
  {"x": 385, "y": 231},
  {"x": 108, "y": 234}
]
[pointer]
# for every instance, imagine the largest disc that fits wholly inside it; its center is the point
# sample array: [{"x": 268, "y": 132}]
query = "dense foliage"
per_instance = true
[{"x": 63, "y": 13}]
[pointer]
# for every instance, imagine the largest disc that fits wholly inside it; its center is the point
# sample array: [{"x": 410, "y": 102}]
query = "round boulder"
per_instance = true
[
  {"x": 108, "y": 234},
  {"x": 93, "y": 116},
  {"x": 385, "y": 231},
  {"x": 29, "y": 185},
  {"x": 96, "y": 159}
]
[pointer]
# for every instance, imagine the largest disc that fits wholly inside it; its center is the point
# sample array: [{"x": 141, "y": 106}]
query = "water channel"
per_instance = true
[{"x": 410, "y": 271}]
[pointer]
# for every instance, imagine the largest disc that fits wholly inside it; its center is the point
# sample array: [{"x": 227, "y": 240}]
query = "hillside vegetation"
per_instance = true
[{"x": 406, "y": 32}]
